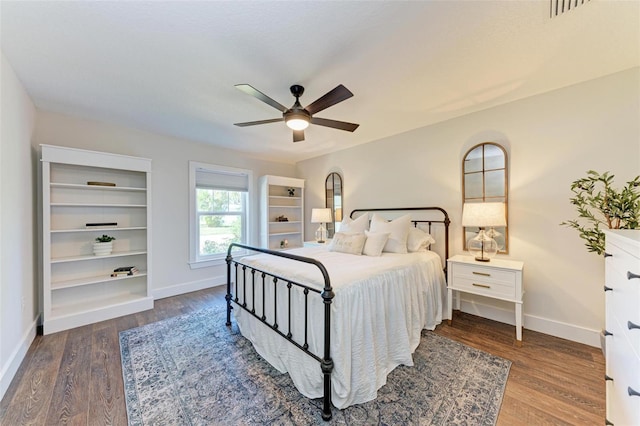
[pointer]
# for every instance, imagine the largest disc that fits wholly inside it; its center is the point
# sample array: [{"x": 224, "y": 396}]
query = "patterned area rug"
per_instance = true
[{"x": 193, "y": 370}]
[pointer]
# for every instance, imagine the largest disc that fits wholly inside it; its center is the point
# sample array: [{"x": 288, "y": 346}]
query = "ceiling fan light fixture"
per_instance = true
[{"x": 297, "y": 121}]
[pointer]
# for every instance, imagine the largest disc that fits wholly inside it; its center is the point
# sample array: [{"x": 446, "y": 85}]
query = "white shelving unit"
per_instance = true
[
  {"x": 77, "y": 286},
  {"x": 275, "y": 201}
]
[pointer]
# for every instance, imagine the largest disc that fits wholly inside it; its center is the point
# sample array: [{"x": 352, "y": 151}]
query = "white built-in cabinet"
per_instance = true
[
  {"x": 622, "y": 299},
  {"x": 281, "y": 197},
  {"x": 78, "y": 288}
]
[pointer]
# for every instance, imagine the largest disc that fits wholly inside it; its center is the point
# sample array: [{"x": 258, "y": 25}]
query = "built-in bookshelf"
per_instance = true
[
  {"x": 87, "y": 194},
  {"x": 281, "y": 198}
]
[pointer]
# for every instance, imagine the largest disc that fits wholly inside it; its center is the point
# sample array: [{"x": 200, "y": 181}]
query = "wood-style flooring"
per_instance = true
[{"x": 74, "y": 377}]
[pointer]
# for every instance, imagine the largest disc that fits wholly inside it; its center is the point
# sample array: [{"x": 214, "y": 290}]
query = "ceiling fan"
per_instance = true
[{"x": 298, "y": 118}]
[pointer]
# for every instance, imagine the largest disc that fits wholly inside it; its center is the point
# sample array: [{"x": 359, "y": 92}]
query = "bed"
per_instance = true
[{"x": 357, "y": 316}]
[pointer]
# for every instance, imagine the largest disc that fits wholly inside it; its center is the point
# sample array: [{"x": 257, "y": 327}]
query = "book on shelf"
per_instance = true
[
  {"x": 124, "y": 271},
  {"x": 101, "y": 225}
]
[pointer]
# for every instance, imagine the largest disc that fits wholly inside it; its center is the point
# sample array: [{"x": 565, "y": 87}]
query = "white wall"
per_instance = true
[
  {"x": 18, "y": 286},
  {"x": 552, "y": 139},
  {"x": 170, "y": 196}
]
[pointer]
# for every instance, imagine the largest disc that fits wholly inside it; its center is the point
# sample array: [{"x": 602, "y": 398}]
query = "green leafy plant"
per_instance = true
[
  {"x": 600, "y": 205},
  {"x": 105, "y": 239}
]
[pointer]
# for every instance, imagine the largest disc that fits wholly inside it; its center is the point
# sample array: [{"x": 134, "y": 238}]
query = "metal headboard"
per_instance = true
[{"x": 445, "y": 221}]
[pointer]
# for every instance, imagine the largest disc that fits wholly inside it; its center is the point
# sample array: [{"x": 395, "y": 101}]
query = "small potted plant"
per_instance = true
[
  {"x": 103, "y": 245},
  {"x": 600, "y": 205}
]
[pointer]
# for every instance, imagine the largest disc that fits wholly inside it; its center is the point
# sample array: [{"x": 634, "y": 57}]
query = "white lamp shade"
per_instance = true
[
  {"x": 320, "y": 215},
  {"x": 483, "y": 215}
]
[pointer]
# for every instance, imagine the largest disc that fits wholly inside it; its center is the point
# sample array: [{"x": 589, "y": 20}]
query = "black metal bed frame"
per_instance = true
[{"x": 327, "y": 294}]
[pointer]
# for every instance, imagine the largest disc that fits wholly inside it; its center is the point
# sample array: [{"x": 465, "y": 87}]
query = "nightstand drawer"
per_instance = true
[
  {"x": 484, "y": 275},
  {"x": 486, "y": 287}
]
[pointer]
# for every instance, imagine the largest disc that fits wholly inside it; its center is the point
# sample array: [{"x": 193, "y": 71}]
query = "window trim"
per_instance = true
[{"x": 194, "y": 261}]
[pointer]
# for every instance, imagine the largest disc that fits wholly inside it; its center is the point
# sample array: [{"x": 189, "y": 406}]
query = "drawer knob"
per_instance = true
[
  {"x": 632, "y": 392},
  {"x": 608, "y": 333},
  {"x": 632, "y": 325},
  {"x": 607, "y": 254},
  {"x": 607, "y": 288},
  {"x": 608, "y": 377},
  {"x": 484, "y": 274},
  {"x": 481, "y": 285},
  {"x": 631, "y": 275}
]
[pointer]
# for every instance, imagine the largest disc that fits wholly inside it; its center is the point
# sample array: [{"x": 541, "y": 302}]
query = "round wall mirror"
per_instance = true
[
  {"x": 333, "y": 201},
  {"x": 485, "y": 179}
]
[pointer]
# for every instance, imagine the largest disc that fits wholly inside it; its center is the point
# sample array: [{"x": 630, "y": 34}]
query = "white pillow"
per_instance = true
[
  {"x": 399, "y": 230},
  {"x": 375, "y": 243},
  {"x": 347, "y": 243},
  {"x": 418, "y": 240},
  {"x": 358, "y": 225}
]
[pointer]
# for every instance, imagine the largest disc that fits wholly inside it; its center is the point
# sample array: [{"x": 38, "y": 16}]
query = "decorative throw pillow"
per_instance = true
[
  {"x": 398, "y": 229},
  {"x": 358, "y": 225},
  {"x": 418, "y": 240},
  {"x": 347, "y": 243},
  {"x": 375, "y": 243}
]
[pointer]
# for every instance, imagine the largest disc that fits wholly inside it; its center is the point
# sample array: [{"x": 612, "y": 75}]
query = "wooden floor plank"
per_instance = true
[
  {"x": 552, "y": 381},
  {"x": 69, "y": 402},
  {"x": 106, "y": 394}
]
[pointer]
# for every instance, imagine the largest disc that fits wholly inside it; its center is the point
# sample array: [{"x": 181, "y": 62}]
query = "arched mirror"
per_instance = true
[
  {"x": 333, "y": 200},
  {"x": 485, "y": 179}
]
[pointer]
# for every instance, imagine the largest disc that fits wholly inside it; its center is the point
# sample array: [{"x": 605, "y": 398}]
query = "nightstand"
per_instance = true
[
  {"x": 498, "y": 279},
  {"x": 317, "y": 244}
]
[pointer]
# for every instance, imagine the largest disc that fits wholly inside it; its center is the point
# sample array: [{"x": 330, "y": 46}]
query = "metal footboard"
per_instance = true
[{"x": 261, "y": 279}]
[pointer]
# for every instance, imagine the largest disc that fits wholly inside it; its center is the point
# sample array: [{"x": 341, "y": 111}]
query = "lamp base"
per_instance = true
[{"x": 483, "y": 259}]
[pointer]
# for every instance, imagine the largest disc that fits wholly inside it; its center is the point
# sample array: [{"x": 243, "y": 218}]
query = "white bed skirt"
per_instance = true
[{"x": 377, "y": 316}]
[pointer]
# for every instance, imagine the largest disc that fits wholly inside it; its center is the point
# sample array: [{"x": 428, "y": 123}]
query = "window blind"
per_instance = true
[{"x": 219, "y": 179}]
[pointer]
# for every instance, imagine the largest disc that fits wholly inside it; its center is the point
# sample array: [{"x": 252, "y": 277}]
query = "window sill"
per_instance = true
[{"x": 198, "y": 264}]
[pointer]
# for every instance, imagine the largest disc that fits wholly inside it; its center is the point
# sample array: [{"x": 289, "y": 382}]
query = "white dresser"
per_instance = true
[{"x": 622, "y": 289}]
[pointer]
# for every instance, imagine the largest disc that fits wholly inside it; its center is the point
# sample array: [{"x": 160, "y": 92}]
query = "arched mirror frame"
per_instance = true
[
  {"x": 488, "y": 176},
  {"x": 333, "y": 200}
]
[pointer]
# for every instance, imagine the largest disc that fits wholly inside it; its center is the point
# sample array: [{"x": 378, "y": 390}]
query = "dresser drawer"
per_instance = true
[
  {"x": 623, "y": 301},
  {"x": 484, "y": 281},
  {"x": 622, "y": 408}
]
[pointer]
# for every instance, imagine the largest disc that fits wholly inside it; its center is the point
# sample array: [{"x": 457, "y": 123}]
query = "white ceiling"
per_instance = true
[{"x": 170, "y": 67}]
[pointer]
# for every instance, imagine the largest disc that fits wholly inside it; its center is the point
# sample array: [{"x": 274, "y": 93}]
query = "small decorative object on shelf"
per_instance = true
[
  {"x": 94, "y": 183},
  {"x": 124, "y": 271},
  {"x": 284, "y": 243},
  {"x": 103, "y": 245},
  {"x": 292, "y": 192},
  {"x": 101, "y": 225},
  {"x": 282, "y": 218}
]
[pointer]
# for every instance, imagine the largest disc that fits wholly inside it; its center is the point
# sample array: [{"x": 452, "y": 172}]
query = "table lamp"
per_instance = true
[
  {"x": 321, "y": 216},
  {"x": 483, "y": 215}
]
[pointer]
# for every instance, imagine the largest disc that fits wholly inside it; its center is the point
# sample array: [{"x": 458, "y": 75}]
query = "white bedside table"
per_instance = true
[
  {"x": 498, "y": 279},
  {"x": 317, "y": 244}
]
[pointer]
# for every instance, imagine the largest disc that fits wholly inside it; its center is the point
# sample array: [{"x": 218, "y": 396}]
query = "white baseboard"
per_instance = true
[
  {"x": 183, "y": 288},
  {"x": 9, "y": 370},
  {"x": 543, "y": 325}
]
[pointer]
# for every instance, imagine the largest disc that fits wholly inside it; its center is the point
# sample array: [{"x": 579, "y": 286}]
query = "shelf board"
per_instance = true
[
  {"x": 96, "y": 205},
  {"x": 272, "y": 206},
  {"x": 288, "y": 221},
  {"x": 108, "y": 228},
  {"x": 60, "y": 285},
  {"x": 286, "y": 197},
  {"x": 96, "y": 187},
  {"x": 276, "y": 234},
  {"x": 92, "y": 257},
  {"x": 59, "y": 312}
]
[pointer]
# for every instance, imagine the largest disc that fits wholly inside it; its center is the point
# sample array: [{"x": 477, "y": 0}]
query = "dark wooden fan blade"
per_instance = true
[
  {"x": 250, "y": 90},
  {"x": 254, "y": 123},
  {"x": 342, "y": 125},
  {"x": 298, "y": 135},
  {"x": 336, "y": 95}
]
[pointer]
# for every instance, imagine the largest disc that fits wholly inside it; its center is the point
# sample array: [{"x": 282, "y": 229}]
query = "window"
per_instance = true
[{"x": 218, "y": 212}]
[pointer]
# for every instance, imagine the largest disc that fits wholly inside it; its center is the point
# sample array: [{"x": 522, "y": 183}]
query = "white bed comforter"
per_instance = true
[{"x": 381, "y": 304}]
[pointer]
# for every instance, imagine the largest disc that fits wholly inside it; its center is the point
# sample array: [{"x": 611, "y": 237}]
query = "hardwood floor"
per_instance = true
[{"x": 74, "y": 377}]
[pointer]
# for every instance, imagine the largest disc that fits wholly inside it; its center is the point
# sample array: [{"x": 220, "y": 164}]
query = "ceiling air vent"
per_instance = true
[{"x": 559, "y": 7}]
